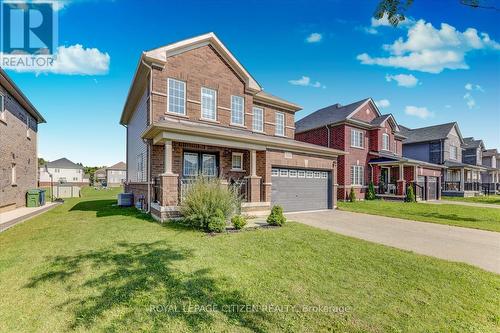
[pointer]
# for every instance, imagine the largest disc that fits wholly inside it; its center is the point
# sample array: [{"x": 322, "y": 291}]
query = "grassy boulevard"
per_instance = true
[
  {"x": 90, "y": 266},
  {"x": 486, "y": 199},
  {"x": 457, "y": 215}
]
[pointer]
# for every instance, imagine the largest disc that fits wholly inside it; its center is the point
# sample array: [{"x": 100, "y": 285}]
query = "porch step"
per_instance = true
[{"x": 256, "y": 208}]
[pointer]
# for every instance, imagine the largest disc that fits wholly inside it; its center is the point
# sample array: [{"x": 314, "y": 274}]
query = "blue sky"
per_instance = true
[{"x": 312, "y": 53}]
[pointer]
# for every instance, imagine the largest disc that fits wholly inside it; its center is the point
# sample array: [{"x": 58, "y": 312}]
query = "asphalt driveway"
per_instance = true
[{"x": 476, "y": 247}]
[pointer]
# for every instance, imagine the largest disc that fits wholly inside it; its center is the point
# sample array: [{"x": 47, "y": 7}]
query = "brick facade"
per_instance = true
[{"x": 18, "y": 148}]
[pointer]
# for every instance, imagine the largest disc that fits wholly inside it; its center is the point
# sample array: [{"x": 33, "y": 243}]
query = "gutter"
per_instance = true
[{"x": 148, "y": 141}]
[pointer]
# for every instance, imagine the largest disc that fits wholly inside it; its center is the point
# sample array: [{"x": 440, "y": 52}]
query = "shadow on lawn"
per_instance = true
[
  {"x": 104, "y": 208},
  {"x": 140, "y": 282},
  {"x": 453, "y": 217}
]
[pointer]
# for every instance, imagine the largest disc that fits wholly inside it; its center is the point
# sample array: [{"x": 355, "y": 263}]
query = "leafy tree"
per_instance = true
[
  {"x": 41, "y": 161},
  {"x": 410, "y": 195},
  {"x": 370, "y": 194}
]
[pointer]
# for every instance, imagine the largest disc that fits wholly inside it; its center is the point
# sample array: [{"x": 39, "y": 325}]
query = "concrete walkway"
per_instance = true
[
  {"x": 18, "y": 215},
  {"x": 463, "y": 203},
  {"x": 476, "y": 247}
]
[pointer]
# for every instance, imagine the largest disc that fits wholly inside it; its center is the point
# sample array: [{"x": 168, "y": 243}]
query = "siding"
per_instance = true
[
  {"x": 452, "y": 140},
  {"x": 417, "y": 151},
  {"x": 135, "y": 145}
]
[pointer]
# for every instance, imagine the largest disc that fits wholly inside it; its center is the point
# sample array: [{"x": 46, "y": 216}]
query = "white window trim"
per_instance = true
[
  {"x": 2, "y": 108},
  {"x": 168, "y": 96},
  {"x": 242, "y": 112},
  {"x": 388, "y": 148},
  {"x": 13, "y": 175},
  {"x": 215, "y": 104},
  {"x": 361, "y": 141},
  {"x": 261, "y": 121},
  {"x": 276, "y": 124},
  {"x": 232, "y": 160},
  {"x": 357, "y": 173},
  {"x": 455, "y": 150}
]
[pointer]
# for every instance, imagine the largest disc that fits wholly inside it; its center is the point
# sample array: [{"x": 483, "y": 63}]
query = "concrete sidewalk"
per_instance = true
[
  {"x": 462, "y": 203},
  {"x": 18, "y": 215},
  {"x": 476, "y": 247}
]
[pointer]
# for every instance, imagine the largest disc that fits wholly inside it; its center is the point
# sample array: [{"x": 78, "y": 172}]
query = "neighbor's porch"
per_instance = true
[{"x": 462, "y": 181}]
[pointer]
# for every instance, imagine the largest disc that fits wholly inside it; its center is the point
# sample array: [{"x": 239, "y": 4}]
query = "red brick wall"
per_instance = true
[
  {"x": 318, "y": 136},
  {"x": 409, "y": 173},
  {"x": 366, "y": 114}
]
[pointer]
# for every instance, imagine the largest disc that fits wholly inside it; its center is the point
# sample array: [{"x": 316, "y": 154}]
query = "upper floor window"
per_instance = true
[
  {"x": 385, "y": 142},
  {"x": 176, "y": 96},
  {"x": 395, "y": 147},
  {"x": 2, "y": 107},
  {"x": 237, "y": 161},
  {"x": 13, "y": 175},
  {"x": 280, "y": 124},
  {"x": 357, "y": 138},
  {"x": 28, "y": 124},
  {"x": 453, "y": 152},
  {"x": 237, "y": 110},
  {"x": 258, "y": 119},
  {"x": 208, "y": 104}
]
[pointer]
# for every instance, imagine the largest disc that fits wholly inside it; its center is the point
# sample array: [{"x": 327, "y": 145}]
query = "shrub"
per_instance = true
[
  {"x": 276, "y": 217},
  {"x": 410, "y": 195},
  {"x": 370, "y": 194},
  {"x": 217, "y": 222},
  {"x": 204, "y": 197},
  {"x": 238, "y": 221},
  {"x": 352, "y": 195}
]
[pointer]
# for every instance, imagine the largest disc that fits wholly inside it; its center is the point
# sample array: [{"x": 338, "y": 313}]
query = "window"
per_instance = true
[
  {"x": 208, "y": 104},
  {"x": 2, "y": 107},
  {"x": 56, "y": 170},
  {"x": 302, "y": 174},
  {"x": 140, "y": 167},
  {"x": 324, "y": 175},
  {"x": 199, "y": 163},
  {"x": 237, "y": 110},
  {"x": 395, "y": 147},
  {"x": 283, "y": 173},
  {"x": 385, "y": 142},
  {"x": 237, "y": 161},
  {"x": 275, "y": 172},
  {"x": 176, "y": 96},
  {"x": 13, "y": 175},
  {"x": 258, "y": 119},
  {"x": 309, "y": 174},
  {"x": 190, "y": 165},
  {"x": 28, "y": 124},
  {"x": 357, "y": 175},
  {"x": 356, "y": 138},
  {"x": 453, "y": 152},
  {"x": 292, "y": 173},
  {"x": 317, "y": 174},
  {"x": 280, "y": 124},
  {"x": 209, "y": 165}
]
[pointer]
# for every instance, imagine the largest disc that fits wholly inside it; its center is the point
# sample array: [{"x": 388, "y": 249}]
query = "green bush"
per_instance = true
[
  {"x": 352, "y": 195},
  {"x": 238, "y": 221},
  {"x": 410, "y": 195},
  {"x": 217, "y": 222},
  {"x": 370, "y": 194},
  {"x": 204, "y": 197},
  {"x": 276, "y": 217}
]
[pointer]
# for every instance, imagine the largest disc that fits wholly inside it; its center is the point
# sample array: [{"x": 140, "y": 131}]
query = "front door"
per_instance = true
[{"x": 384, "y": 180}]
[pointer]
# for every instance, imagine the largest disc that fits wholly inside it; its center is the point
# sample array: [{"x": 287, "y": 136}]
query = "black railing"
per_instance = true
[
  {"x": 157, "y": 190},
  {"x": 452, "y": 186},
  {"x": 419, "y": 191},
  {"x": 472, "y": 186},
  {"x": 489, "y": 188}
]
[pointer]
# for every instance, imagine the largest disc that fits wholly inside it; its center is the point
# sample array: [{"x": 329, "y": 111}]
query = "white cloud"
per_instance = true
[
  {"x": 315, "y": 37},
  {"x": 403, "y": 80},
  {"x": 383, "y": 103},
  {"x": 74, "y": 60},
  {"x": 432, "y": 50},
  {"x": 420, "y": 112},
  {"x": 305, "y": 81},
  {"x": 470, "y": 101},
  {"x": 470, "y": 87}
]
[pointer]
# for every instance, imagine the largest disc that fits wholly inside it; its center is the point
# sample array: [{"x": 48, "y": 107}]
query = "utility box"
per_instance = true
[{"x": 33, "y": 198}]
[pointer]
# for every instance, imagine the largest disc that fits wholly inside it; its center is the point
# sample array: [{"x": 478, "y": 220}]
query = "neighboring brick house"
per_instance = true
[
  {"x": 444, "y": 145},
  {"x": 116, "y": 174},
  {"x": 491, "y": 176},
  {"x": 19, "y": 121},
  {"x": 62, "y": 171},
  {"x": 374, "y": 145},
  {"x": 193, "y": 109}
]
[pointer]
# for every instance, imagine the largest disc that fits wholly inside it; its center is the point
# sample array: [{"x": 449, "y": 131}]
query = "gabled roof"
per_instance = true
[
  {"x": 158, "y": 57},
  {"x": 491, "y": 152},
  {"x": 118, "y": 166},
  {"x": 329, "y": 115},
  {"x": 471, "y": 143},
  {"x": 63, "y": 163},
  {"x": 430, "y": 133},
  {"x": 14, "y": 90}
]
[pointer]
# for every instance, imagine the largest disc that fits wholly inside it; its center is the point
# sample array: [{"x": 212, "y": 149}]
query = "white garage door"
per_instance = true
[{"x": 299, "y": 190}]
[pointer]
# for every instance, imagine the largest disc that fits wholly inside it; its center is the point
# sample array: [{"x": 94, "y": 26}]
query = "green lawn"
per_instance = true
[
  {"x": 90, "y": 266},
  {"x": 462, "y": 216},
  {"x": 487, "y": 199}
]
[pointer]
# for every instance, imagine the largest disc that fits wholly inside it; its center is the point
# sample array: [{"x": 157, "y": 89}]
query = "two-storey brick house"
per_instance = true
[
  {"x": 491, "y": 176},
  {"x": 19, "y": 121},
  {"x": 194, "y": 109},
  {"x": 373, "y": 143},
  {"x": 444, "y": 145}
]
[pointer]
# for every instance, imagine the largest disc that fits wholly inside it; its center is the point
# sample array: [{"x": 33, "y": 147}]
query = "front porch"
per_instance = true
[{"x": 462, "y": 180}]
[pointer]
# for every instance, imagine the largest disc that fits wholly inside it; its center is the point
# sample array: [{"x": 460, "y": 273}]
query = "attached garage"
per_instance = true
[
  {"x": 301, "y": 190},
  {"x": 432, "y": 185}
]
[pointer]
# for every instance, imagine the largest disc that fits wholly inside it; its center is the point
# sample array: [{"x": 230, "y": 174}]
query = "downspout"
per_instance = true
[
  {"x": 328, "y": 135},
  {"x": 147, "y": 142}
]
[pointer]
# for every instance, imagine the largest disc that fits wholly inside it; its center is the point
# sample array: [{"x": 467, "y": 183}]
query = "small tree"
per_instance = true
[
  {"x": 410, "y": 195},
  {"x": 352, "y": 195},
  {"x": 370, "y": 194},
  {"x": 276, "y": 217}
]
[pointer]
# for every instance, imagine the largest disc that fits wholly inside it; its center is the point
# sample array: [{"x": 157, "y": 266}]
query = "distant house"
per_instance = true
[
  {"x": 116, "y": 174},
  {"x": 62, "y": 171},
  {"x": 19, "y": 121},
  {"x": 100, "y": 176},
  {"x": 491, "y": 176},
  {"x": 443, "y": 144}
]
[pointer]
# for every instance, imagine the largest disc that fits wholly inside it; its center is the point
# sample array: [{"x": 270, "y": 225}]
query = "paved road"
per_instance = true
[
  {"x": 476, "y": 247},
  {"x": 462, "y": 203}
]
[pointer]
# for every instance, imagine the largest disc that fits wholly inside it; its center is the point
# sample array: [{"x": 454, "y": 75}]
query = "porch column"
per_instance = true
[
  {"x": 253, "y": 181},
  {"x": 169, "y": 181},
  {"x": 401, "y": 181},
  {"x": 462, "y": 179},
  {"x": 168, "y": 157}
]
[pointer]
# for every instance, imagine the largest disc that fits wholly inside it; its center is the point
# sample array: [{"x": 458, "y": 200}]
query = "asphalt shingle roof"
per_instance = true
[
  {"x": 63, "y": 163},
  {"x": 118, "y": 166},
  {"x": 430, "y": 133},
  {"x": 329, "y": 115},
  {"x": 471, "y": 143}
]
